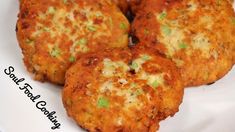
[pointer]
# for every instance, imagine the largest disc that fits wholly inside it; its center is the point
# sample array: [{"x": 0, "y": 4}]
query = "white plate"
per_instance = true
[{"x": 204, "y": 109}]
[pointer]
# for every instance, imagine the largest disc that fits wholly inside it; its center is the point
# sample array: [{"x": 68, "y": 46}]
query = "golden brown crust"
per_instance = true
[
  {"x": 53, "y": 33},
  {"x": 196, "y": 35},
  {"x": 122, "y": 90}
]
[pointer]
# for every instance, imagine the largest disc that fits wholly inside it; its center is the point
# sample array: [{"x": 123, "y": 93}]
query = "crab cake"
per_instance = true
[
  {"x": 52, "y": 34},
  {"x": 122, "y": 4},
  {"x": 115, "y": 91},
  {"x": 134, "y": 5},
  {"x": 197, "y": 35}
]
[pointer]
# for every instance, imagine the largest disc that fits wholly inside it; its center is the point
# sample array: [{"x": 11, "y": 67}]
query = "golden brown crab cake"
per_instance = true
[
  {"x": 114, "y": 91},
  {"x": 53, "y": 33},
  {"x": 122, "y": 4},
  {"x": 197, "y": 35}
]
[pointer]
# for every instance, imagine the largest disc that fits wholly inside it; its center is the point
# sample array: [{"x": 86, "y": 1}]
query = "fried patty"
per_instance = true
[
  {"x": 52, "y": 34},
  {"x": 197, "y": 35},
  {"x": 118, "y": 90},
  {"x": 134, "y": 5}
]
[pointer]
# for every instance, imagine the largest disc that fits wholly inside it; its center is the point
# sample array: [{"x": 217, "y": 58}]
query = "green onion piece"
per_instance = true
[
  {"x": 133, "y": 85},
  {"x": 65, "y": 1},
  {"x": 82, "y": 41},
  {"x": 166, "y": 30},
  {"x": 123, "y": 26},
  {"x": 103, "y": 102},
  {"x": 91, "y": 28},
  {"x": 28, "y": 41},
  {"x": 183, "y": 45},
  {"x": 134, "y": 65},
  {"x": 55, "y": 52},
  {"x": 139, "y": 92},
  {"x": 46, "y": 29},
  {"x": 162, "y": 16},
  {"x": 72, "y": 59},
  {"x": 155, "y": 84},
  {"x": 98, "y": 14},
  {"x": 146, "y": 57},
  {"x": 51, "y": 10}
]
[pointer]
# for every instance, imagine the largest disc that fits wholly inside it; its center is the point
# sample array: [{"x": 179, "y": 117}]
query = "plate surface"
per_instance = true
[{"x": 204, "y": 109}]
